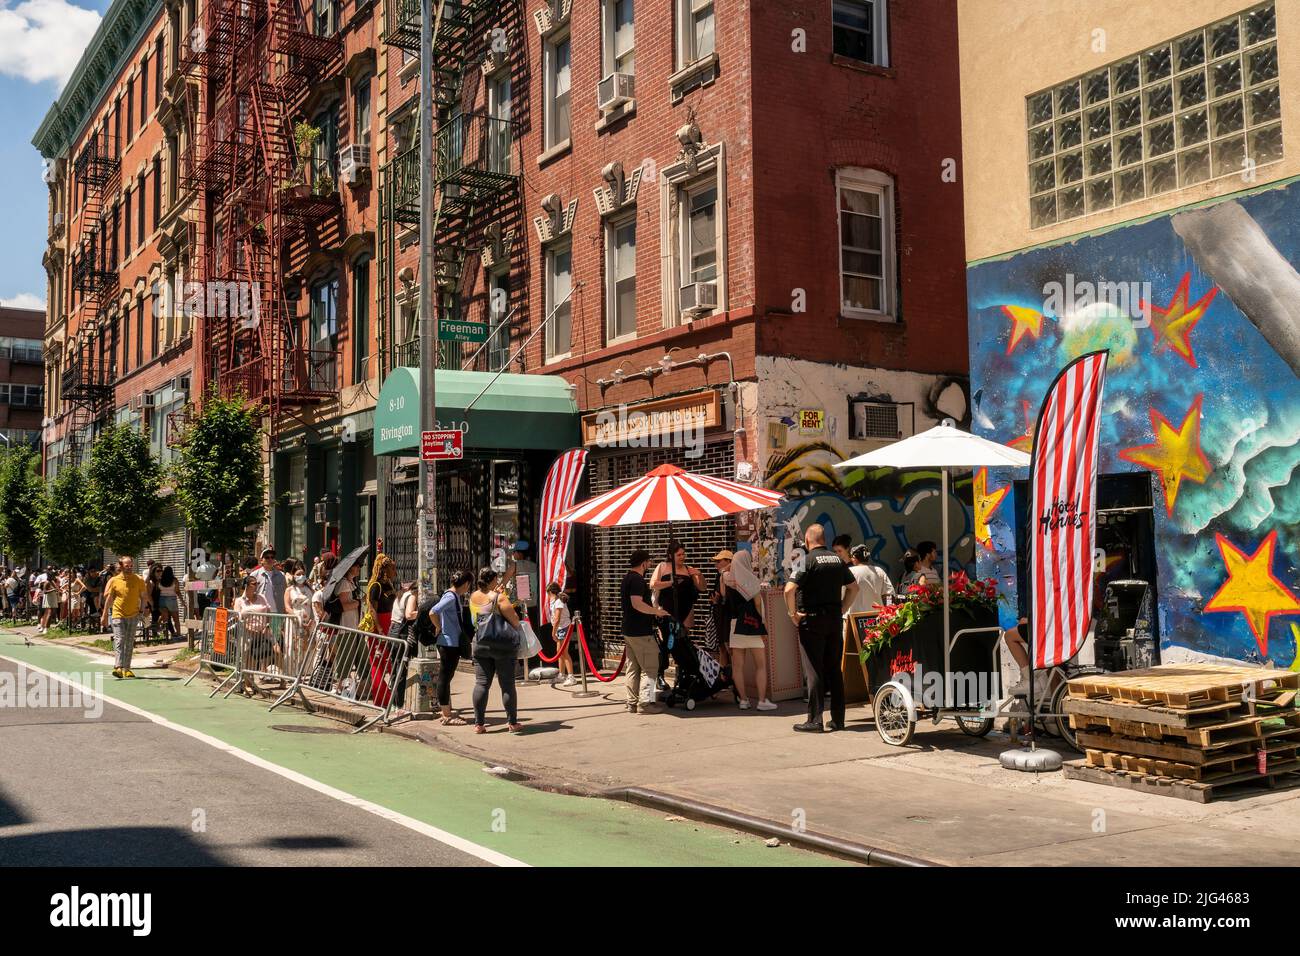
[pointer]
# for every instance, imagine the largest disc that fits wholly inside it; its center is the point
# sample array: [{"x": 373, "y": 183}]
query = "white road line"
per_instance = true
[{"x": 419, "y": 826}]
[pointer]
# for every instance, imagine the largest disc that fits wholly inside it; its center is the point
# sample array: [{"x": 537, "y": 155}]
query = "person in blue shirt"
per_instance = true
[{"x": 445, "y": 616}]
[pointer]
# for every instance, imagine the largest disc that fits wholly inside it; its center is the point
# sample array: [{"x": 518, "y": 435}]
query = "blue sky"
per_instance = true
[{"x": 40, "y": 44}]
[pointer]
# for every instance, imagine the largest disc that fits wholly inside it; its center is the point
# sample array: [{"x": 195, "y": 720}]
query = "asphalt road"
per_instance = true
[{"x": 121, "y": 790}]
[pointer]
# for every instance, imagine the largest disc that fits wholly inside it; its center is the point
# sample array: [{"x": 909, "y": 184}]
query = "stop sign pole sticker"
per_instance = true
[{"x": 446, "y": 444}]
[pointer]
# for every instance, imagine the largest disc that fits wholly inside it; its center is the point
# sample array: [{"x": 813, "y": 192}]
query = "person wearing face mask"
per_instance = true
[{"x": 298, "y": 596}]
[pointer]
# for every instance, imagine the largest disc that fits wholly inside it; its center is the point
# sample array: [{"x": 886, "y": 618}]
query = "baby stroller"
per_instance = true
[{"x": 699, "y": 676}]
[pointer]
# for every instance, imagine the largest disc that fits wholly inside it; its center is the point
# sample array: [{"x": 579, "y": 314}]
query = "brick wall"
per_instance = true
[{"x": 905, "y": 121}]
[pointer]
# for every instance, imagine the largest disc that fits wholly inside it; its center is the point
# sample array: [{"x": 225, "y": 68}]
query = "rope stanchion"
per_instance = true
[
  {"x": 568, "y": 636},
  {"x": 586, "y": 652}
]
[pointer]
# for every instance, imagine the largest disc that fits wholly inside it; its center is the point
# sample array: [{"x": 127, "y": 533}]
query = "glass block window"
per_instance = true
[{"x": 1202, "y": 106}]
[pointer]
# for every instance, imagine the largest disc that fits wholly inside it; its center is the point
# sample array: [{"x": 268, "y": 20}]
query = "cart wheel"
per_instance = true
[
  {"x": 1061, "y": 725},
  {"x": 894, "y": 724},
  {"x": 690, "y": 703},
  {"x": 975, "y": 726}
]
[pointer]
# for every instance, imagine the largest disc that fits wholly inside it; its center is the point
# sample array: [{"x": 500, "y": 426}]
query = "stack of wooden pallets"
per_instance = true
[{"x": 1196, "y": 731}]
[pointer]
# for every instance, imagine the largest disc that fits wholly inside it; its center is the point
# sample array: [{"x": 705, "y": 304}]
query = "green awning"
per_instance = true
[{"x": 517, "y": 411}]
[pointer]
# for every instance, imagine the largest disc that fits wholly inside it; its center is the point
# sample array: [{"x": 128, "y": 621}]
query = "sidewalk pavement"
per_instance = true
[{"x": 943, "y": 799}]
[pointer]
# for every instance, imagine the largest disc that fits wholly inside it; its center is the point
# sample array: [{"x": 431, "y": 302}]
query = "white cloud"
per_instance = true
[
  {"x": 43, "y": 39},
  {"x": 23, "y": 300}
]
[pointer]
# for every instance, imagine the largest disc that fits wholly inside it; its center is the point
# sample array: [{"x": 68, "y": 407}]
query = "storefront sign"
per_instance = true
[
  {"x": 444, "y": 445},
  {"x": 474, "y": 332},
  {"x": 631, "y": 425}
]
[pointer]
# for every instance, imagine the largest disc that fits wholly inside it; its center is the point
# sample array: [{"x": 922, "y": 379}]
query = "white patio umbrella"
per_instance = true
[{"x": 944, "y": 446}]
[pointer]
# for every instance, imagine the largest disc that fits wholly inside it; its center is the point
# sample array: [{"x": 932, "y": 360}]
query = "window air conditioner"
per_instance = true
[
  {"x": 699, "y": 297},
  {"x": 615, "y": 90},
  {"x": 354, "y": 160}
]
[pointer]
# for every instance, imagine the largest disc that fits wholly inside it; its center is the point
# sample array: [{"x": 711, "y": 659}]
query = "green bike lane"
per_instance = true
[{"x": 440, "y": 790}]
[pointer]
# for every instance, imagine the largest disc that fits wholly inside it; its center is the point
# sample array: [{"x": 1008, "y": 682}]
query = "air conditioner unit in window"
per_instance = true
[
  {"x": 615, "y": 90},
  {"x": 354, "y": 163},
  {"x": 58, "y": 220},
  {"x": 141, "y": 402},
  {"x": 699, "y": 297}
]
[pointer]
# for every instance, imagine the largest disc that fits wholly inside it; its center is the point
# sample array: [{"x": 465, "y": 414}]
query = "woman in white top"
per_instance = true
[
  {"x": 558, "y": 603},
  {"x": 250, "y": 605},
  {"x": 874, "y": 586}
]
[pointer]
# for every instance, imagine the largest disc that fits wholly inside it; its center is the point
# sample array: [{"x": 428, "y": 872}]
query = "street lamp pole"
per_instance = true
[{"x": 428, "y": 329}]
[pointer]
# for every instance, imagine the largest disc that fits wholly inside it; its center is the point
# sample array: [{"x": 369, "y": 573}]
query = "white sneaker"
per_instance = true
[
  {"x": 766, "y": 705},
  {"x": 568, "y": 681},
  {"x": 744, "y": 703}
]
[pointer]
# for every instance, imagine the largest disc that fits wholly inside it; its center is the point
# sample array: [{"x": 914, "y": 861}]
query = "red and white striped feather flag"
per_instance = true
[
  {"x": 557, "y": 495},
  {"x": 1064, "y": 485}
]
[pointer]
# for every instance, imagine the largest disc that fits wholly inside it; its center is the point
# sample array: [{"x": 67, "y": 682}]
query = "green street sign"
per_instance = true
[{"x": 462, "y": 331}]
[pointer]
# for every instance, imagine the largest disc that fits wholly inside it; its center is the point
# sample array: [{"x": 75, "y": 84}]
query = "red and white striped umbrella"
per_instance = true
[{"x": 669, "y": 494}]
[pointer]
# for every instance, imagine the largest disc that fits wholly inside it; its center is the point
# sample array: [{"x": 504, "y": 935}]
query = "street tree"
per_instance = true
[
  {"x": 124, "y": 485},
  {"x": 21, "y": 491},
  {"x": 63, "y": 522},
  {"x": 220, "y": 486}
]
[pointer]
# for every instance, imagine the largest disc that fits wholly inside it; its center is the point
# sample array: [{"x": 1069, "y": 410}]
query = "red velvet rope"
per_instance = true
[
  {"x": 568, "y": 636},
  {"x": 591, "y": 666}
]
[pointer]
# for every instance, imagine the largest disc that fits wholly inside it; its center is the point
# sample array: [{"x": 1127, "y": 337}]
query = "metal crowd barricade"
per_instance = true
[
  {"x": 219, "y": 646},
  {"x": 350, "y": 666},
  {"x": 272, "y": 645}
]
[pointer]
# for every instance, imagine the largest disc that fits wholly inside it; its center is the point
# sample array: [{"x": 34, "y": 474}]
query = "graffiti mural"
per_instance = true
[
  {"x": 1202, "y": 394},
  {"x": 887, "y": 510}
]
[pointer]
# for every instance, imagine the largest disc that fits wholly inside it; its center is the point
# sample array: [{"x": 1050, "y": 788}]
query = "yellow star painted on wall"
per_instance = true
[
  {"x": 1173, "y": 324},
  {"x": 1025, "y": 440},
  {"x": 986, "y": 503},
  {"x": 1176, "y": 453},
  {"x": 1023, "y": 320},
  {"x": 1252, "y": 588}
]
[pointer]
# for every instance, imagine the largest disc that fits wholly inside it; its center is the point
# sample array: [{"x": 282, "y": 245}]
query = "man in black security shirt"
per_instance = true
[{"x": 826, "y": 589}]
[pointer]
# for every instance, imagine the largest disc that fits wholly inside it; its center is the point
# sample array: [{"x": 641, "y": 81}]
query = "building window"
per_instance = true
[
  {"x": 620, "y": 278},
  {"x": 501, "y": 132},
  {"x": 693, "y": 216},
  {"x": 126, "y": 224},
  {"x": 324, "y": 333},
  {"x": 559, "y": 282},
  {"x": 699, "y": 257},
  {"x": 157, "y": 306},
  {"x": 157, "y": 70},
  {"x": 117, "y": 128},
  {"x": 694, "y": 31},
  {"x": 325, "y": 152},
  {"x": 619, "y": 47},
  {"x": 1202, "y": 106},
  {"x": 157, "y": 190},
  {"x": 139, "y": 214},
  {"x": 360, "y": 319},
  {"x": 139, "y": 333},
  {"x": 144, "y": 89},
  {"x": 860, "y": 30},
  {"x": 126, "y": 340},
  {"x": 557, "y": 91},
  {"x": 326, "y": 17},
  {"x": 361, "y": 112},
  {"x": 865, "y": 200},
  {"x": 498, "y": 352}
]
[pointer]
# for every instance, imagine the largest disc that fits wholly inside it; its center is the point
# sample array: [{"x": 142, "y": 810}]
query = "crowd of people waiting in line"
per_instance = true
[{"x": 482, "y": 618}]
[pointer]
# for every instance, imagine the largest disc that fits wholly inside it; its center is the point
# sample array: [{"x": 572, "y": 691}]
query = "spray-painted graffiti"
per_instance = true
[
  {"x": 887, "y": 510},
  {"x": 1202, "y": 393}
]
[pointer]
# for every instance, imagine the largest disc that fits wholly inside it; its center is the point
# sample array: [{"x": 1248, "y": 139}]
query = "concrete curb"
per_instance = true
[
  {"x": 683, "y": 806},
  {"x": 709, "y": 813}
]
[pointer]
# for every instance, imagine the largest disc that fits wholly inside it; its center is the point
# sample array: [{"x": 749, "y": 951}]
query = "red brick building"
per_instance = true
[
  {"x": 22, "y": 376},
  {"x": 748, "y": 213}
]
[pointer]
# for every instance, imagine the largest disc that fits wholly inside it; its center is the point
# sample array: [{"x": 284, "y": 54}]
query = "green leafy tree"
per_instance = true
[
  {"x": 63, "y": 522},
  {"x": 21, "y": 491},
  {"x": 124, "y": 483},
  {"x": 220, "y": 486}
]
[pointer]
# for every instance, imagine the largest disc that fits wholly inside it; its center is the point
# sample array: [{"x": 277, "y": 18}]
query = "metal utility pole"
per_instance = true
[{"x": 428, "y": 329}]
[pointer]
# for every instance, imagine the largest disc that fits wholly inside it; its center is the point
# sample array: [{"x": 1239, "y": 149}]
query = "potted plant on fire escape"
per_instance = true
[{"x": 305, "y": 137}]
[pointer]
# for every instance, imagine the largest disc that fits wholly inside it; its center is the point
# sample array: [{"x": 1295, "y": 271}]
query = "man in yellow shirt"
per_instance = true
[{"x": 125, "y": 597}]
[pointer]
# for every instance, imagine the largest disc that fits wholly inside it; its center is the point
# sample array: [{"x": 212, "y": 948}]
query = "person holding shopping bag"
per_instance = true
[{"x": 497, "y": 640}]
